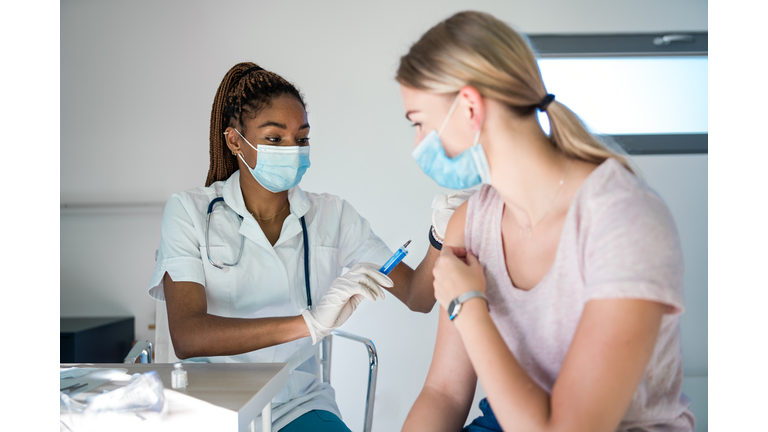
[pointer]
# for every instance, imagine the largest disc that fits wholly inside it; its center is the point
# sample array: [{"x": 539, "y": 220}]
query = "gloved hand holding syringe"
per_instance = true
[
  {"x": 395, "y": 260},
  {"x": 347, "y": 291}
]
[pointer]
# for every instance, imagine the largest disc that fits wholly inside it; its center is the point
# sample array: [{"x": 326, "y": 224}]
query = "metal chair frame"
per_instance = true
[
  {"x": 373, "y": 369},
  {"x": 141, "y": 351}
]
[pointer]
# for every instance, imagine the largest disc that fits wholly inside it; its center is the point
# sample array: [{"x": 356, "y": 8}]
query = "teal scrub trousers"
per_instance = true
[{"x": 317, "y": 421}]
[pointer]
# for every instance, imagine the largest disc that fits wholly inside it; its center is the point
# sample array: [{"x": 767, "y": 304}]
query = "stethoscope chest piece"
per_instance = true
[{"x": 221, "y": 266}]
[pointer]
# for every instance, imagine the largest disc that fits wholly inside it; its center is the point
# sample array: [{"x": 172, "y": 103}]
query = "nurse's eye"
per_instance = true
[
  {"x": 416, "y": 124},
  {"x": 303, "y": 140},
  {"x": 273, "y": 139}
]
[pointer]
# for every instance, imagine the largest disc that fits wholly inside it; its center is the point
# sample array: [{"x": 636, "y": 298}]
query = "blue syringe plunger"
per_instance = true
[{"x": 395, "y": 260}]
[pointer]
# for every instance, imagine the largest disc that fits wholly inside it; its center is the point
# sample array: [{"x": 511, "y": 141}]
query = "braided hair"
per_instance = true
[{"x": 245, "y": 90}]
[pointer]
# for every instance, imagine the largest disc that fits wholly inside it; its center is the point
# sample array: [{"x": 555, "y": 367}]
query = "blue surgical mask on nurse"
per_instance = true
[{"x": 278, "y": 168}]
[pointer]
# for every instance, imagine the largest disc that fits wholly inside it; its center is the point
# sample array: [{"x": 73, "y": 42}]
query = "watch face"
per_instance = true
[{"x": 453, "y": 309}]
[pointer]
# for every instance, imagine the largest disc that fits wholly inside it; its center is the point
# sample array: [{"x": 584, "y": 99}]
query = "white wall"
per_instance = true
[{"x": 137, "y": 83}]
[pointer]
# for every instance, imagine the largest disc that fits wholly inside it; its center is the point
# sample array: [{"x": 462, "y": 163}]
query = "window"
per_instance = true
[{"x": 649, "y": 92}]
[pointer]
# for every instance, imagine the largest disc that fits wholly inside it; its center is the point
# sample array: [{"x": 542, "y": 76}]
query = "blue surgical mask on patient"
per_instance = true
[
  {"x": 467, "y": 169},
  {"x": 278, "y": 168}
]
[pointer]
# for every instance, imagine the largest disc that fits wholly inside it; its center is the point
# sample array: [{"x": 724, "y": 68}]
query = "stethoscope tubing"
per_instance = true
[
  {"x": 242, "y": 244},
  {"x": 207, "y": 229}
]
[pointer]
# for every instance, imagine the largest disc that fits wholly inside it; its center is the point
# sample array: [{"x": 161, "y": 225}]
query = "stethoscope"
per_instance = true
[{"x": 220, "y": 265}]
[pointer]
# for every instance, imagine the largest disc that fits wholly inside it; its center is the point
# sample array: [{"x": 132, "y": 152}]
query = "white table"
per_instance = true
[{"x": 244, "y": 389}]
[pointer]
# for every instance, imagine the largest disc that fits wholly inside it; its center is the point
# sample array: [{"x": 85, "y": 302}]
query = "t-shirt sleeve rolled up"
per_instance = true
[{"x": 633, "y": 251}]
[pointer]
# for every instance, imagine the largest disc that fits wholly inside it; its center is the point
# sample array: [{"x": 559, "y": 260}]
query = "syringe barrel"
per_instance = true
[{"x": 394, "y": 261}]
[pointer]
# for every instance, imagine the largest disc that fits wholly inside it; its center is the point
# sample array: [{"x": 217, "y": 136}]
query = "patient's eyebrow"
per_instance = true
[{"x": 407, "y": 115}]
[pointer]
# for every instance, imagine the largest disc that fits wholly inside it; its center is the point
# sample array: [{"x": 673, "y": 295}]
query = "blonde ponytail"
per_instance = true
[
  {"x": 476, "y": 49},
  {"x": 570, "y": 135}
]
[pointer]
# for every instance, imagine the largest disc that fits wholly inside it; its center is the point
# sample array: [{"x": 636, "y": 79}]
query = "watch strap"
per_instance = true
[
  {"x": 455, "y": 307},
  {"x": 437, "y": 244}
]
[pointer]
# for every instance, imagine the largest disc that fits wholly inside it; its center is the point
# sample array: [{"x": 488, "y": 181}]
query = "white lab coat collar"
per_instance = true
[
  {"x": 233, "y": 196},
  {"x": 299, "y": 201}
]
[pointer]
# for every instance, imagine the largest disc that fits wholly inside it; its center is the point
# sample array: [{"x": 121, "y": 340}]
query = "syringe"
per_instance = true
[{"x": 396, "y": 258}]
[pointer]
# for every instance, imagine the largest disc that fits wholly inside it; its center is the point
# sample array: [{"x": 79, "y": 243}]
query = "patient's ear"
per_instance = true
[{"x": 474, "y": 106}]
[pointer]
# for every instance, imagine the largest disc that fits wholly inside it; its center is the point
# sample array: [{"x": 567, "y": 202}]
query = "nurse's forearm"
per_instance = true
[
  {"x": 414, "y": 287},
  {"x": 196, "y": 333},
  {"x": 210, "y": 335}
]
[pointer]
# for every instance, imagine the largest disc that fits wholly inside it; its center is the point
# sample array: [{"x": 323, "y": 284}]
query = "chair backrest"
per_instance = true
[{"x": 164, "y": 352}]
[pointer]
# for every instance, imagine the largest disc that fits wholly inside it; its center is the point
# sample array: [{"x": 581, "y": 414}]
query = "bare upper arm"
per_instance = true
[
  {"x": 454, "y": 233},
  {"x": 451, "y": 371},
  {"x": 607, "y": 359},
  {"x": 182, "y": 300}
]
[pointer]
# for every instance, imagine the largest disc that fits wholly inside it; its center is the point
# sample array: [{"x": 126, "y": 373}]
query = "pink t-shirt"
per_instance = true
[{"x": 619, "y": 240}]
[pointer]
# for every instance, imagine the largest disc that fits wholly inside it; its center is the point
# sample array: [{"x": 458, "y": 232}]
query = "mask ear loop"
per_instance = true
[
  {"x": 241, "y": 136},
  {"x": 450, "y": 112},
  {"x": 240, "y": 155},
  {"x": 477, "y": 135}
]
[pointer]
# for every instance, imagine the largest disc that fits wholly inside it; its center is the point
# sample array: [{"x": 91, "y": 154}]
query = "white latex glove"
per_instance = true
[
  {"x": 363, "y": 280},
  {"x": 443, "y": 207}
]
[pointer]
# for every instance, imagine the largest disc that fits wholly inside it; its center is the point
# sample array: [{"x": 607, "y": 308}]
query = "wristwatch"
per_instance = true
[{"x": 455, "y": 307}]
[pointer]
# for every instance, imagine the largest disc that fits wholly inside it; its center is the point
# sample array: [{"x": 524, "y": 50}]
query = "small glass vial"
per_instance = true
[{"x": 178, "y": 377}]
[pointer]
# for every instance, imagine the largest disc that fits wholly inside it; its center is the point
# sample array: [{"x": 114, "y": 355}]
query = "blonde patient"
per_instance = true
[{"x": 560, "y": 280}]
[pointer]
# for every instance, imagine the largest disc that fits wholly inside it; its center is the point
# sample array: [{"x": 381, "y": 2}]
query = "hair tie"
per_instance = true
[
  {"x": 545, "y": 102},
  {"x": 249, "y": 70}
]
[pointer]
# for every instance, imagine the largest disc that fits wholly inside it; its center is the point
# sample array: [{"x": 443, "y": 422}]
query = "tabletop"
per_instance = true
[{"x": 245, "y": 388}]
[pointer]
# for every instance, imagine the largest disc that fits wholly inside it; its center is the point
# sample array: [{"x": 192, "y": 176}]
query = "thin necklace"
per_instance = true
[
  {"x": 271, "y": 217},
  {"x": 526, "y": 232}
]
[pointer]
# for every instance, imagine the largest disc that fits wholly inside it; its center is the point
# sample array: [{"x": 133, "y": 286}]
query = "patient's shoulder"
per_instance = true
[{"x": 454, "y": 233}]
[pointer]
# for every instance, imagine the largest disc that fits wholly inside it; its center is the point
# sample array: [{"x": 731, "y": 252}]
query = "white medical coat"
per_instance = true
[{"x": 269, "y": 280}]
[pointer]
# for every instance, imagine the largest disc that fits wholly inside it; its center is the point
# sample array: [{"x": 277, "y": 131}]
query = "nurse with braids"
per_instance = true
[
  {"x": 561, "y": 279},
  {"x": 250, "y": 265}
]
